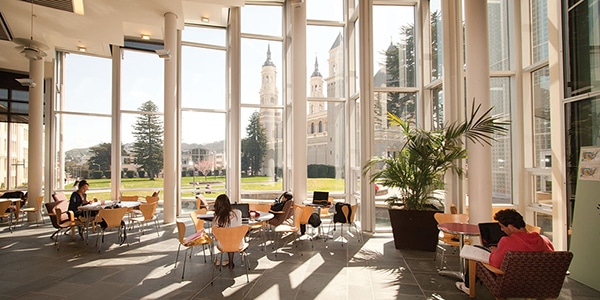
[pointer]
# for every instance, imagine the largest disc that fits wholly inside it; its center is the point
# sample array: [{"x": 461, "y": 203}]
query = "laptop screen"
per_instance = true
[
  {"x": 320, "y": 197},
  {"x": 244, "y": 208},
  {"x": 490, "y": 233}
]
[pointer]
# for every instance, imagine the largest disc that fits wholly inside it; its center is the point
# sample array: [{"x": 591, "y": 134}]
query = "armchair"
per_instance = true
[{"x": 526, "y": 274}]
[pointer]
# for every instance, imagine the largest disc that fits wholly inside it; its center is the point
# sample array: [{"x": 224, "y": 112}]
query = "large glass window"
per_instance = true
[
  {"x": 326, "y": 51},
  {"x": 583, "y": 40},
  {"x": 203, "y": 117},
  {"x": 435, "y": 16},
  {"x": 539, "y": 30},
  {"x": 500, "y": 100},
  {"x": 142, "y": 104},
  {"x": 499, "y": 39},
  {"x": 83, "y": 124},
  {"x": 261, "y": 123}
]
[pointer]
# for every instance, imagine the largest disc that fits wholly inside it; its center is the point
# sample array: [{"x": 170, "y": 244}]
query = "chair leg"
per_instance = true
[
  {"x": 247, "y": 266},
  {"x": 184, "y": 261},
  {"x": 177, "y": 256}
]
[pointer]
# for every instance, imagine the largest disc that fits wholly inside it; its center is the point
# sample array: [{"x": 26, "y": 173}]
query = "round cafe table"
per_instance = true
[{"x": 462, "y": 230}]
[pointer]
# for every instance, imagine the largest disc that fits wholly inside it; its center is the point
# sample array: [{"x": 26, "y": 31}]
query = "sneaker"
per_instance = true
[{"x": 461, "y": 286}]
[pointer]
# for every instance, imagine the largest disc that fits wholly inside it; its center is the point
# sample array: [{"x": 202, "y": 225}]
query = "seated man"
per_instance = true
[{"x": 517, "y": 239}]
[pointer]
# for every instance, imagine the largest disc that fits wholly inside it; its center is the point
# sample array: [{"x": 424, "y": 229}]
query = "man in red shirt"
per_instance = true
[{"x": 517, "y": 239}]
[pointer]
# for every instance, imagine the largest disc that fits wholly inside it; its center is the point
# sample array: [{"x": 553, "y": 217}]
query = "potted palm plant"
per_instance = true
[{"x": 419, "y": 168}]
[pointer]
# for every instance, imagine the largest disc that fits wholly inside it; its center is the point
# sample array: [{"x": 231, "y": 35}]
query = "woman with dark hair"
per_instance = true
[
  {"x": 79, "y": 197},
  {"x": 226, "y": 216}
]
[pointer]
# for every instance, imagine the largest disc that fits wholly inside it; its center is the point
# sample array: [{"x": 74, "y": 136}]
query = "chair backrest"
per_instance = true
[
  {"x": 181, "y": 232},
  {"x": 148, "y": 210},
  {"x": 201, "y": 202},
  {"x": 39, "y": 201},
  {"x": 198, "y": 223},
  {"x": 129, "y": 198},
  {"x": 306, "y": 212},
  {"x": 450, "y": 218},
  {"x": 152, "y": 199},
  {"x": 299, "y": 212},
  {"x": 286, "y": 213},
  {"x": 63, "y": 206},
  {"x": 59, "y": 196},
  {"x": 4, "y": 205},
  {"x": 353, "y": 209},
  {"x": 453, "y": 209},
  {"x": 533, "y": 228},
  {"x": 260, "y": 207},
  {"x": 532, "y": 274},
  {"x": 230, "y": 238},
  {"x": 112, "y": 217}
]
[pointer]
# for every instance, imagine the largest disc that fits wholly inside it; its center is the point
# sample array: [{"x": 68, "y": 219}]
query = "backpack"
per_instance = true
[
  {"x": 338, "y": 217},
  {"x": 314, "y": 220}
]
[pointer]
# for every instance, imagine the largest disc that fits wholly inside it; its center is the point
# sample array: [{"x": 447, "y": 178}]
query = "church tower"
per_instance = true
[{"x": 270, "y": 118}]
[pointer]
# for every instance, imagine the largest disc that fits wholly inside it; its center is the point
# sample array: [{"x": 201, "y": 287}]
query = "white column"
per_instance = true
[
  {"x": 170, "y": 118},
  {"x": 367, "y": 192},
  {"x": 115, "y": 160},
  {"x": 478, "y": 90},
  {"x": 234, "y": 116},
  {"x": 299, "y": 161},
  {"x": 35, "y": 160},
  {"x": 452, "y": 77}
]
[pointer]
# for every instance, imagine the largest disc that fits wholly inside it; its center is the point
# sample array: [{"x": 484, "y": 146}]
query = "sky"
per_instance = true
[{"x": 88, "y": 78}]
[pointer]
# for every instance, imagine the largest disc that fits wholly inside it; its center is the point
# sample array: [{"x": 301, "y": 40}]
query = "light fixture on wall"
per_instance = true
[
  {"x": 145, "y": 37},
  {"x": 204, "y": 19},
  {"x": 81, "y": 49},
  {"x": 28, "y": 82},
  {"x": 163, "y": 53}
]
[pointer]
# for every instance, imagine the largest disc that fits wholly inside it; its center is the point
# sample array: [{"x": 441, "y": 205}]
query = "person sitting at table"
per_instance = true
[
  {"x": 517, "y": 239},
  {"x": 79, "y": 198},
  {"x": 226, "y": 216}
]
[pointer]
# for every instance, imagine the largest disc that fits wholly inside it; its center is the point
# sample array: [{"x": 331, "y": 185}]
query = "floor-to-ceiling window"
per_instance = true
[
  {"x": 203, "y": 112},
  {"x": 83, "y": 124},
  {"x": 261, "y": 123},
  {"x": 395, "y": 65},
  {"x": 142, "y": 107},
  {"x": 326, "y": 96}
]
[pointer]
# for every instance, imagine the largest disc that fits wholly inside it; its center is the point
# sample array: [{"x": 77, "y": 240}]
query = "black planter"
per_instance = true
[{"x": 414, "y": 229}]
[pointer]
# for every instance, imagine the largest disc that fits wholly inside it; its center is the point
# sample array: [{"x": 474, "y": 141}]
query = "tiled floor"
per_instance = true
[{"x": 32, "y": 268}]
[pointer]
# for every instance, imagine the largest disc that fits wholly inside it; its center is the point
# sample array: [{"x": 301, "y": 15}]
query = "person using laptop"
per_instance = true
[
  {"x": 226, "y": 216},
  {"x": 517, "y": 239}
]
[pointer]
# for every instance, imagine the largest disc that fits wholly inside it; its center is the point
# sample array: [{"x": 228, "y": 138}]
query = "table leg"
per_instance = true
[{"x": 472, "y": 274}]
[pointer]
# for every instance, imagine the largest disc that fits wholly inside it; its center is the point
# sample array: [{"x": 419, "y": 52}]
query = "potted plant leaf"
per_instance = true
[{"x": 418, "y": 170}]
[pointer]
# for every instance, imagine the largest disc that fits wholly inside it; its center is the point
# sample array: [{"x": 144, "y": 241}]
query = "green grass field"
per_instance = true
[{"x": 144, "y": 186}]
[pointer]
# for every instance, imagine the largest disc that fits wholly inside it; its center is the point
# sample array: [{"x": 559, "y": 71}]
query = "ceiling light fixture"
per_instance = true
[
  {"x": 81, "y": 49},
  {"x": 26, "y": 82},
  {"x": 145, "y": 37},
  {"x": 163, "y": 53},
  {"x": 204, "y": 19}
]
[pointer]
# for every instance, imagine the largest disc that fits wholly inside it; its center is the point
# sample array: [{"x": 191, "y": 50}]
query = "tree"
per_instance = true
[
  {"x": 254, "y": 146},
  {"x": 148, "y": 133},
  {"x": 101, "y": 156},
  {"x": 204, "y": 166}
]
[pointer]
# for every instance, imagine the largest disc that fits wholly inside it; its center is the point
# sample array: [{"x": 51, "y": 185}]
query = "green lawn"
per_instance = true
[{"x": 217, "y": 184}]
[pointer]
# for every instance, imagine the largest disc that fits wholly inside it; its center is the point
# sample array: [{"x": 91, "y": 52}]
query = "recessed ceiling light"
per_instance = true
[
  {"x": 145, "y": 36},
  {"x": 81, "y": 49},
  {"x": 204, "y": 19}
]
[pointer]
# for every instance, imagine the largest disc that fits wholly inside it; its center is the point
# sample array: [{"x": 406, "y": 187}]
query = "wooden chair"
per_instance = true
[
  {"x": 148, "y": 214},
  {"x": 113, "y": 218},
  {"x": 199, "y": 225},
  {"x": 152, "y": 199},
  {"x": 4, "y": 205},
  {"x": 198, "y": 238},
  {"x": 231, "y": 239},
  {"x": 526, "y": 274},
  {"x": 305, "y": 216},
  {"x": 260, "y": 226},
  {"x": 286, "y": 228},
  {"x": 451, "y": 240},
  {"x": 59, "y": 196},
  {"x": 37, "y": 209},
  {"x": 130, "y": 198},
  {"x": 349, "y": 212},
  {"x": 201, "y": 202}
]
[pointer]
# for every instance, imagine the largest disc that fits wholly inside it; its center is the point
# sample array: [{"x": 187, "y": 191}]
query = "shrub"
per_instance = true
[
  {"x": 107, "y": 174},
  {"x": 130, "y": 174},
  {"x": 96, "y": 174},
  {"x": 320, "y": 171},
  {"x": 142, "y": 173}
]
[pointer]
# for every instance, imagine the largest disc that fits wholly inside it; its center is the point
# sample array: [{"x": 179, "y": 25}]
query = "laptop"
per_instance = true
[
  {"x": 320, "y": 198},
  {"x": 245, "y": 209},
  {"x": 490, "y": 234}
]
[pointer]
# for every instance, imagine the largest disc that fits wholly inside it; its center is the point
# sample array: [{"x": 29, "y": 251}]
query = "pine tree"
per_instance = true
[
  {"x": 254, "y": 147},
  {"x": 148, "y": 146}
]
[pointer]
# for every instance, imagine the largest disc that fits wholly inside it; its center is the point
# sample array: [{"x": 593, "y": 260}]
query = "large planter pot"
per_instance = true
[{"x": 414, "y": 229}]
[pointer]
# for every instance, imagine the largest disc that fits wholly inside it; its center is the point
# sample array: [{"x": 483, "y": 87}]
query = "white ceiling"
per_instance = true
[{"x": 104, "y": 23}]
